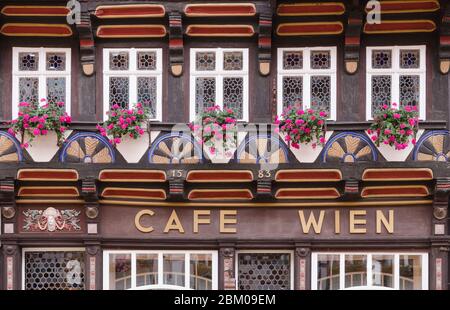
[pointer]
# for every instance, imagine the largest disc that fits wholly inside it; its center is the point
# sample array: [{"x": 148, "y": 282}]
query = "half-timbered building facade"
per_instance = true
[{"x": 163, "y": 212}]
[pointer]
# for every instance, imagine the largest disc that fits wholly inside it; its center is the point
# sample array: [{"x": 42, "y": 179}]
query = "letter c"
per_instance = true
[{"x": 137, "y": 221}]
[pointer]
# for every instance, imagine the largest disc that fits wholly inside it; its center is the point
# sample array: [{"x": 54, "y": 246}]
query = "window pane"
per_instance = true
[
  {"x": 28, "y": 61},
  {"x": 56, "y": 90},
  {"x": 146, "y": 90},
  {"x": 264, "y": 271},
  {"x": 146, "y": 60},
  {"x": 355, "y": 270},
  {"x": 409, "y": 90},
  {"x": 174, "y": 272},
  {"x": 146, "y": 269},
  {"x": 29, "y": 90},
  {"x": 409, "y": 59},
  {"x": 381, "y": 91},
  {"x": 411, "y": 272},
  {"x": 328, "y": 272},
  {"x": 383, "y": 270},
  {"x": 56, "y": 61},
  {"x": 292, "y": 60},
  {"x": 381, "y": 59},
  {"x": 321, "y": 92},
  {"x": 232, "y": 61},
  {"x": 292, "y": 91},
  {"x": 201, "y": 271},
  {"x": 118, "y": 91},
  {"x": 320, "y": 60},
  {"x": 205, "y": 93},
  {"x": 54, "y": 270},
  {"x": 233, "y": 94},
  {"x": 118, "y": 60},
  {"x": 119, "y": 271},
  {"x": 205, "y": 61}
]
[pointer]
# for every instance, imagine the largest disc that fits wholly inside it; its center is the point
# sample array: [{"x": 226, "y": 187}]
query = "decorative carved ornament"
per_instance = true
[{"x": 51, "y": 220}]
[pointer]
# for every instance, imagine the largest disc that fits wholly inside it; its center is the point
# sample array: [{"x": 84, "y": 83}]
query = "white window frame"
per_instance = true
[
  {"x": 236, "y": 263},
  {"x": 424, "y": 256},
  {"x": 42, "y": 74},
  {"x": 395, "y": 73},
  {"x": 132, "y": 74},
  {"x": 24, "y": 250},
  {"x": 219, "y": 74},
  {"x": 306, "y": 72},
  {"x": 160, "y": 254}
]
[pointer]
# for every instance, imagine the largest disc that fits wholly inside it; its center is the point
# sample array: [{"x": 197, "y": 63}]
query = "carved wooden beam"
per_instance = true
[
  {"x": 444, "y": 42},
  {"x": 353, "y": 39},
  {"x": 176, "y": 48},
  {"x": 7, "y": 198},
  {"x": 87, "y": 43},
  {"x": 265, "y": 43}
]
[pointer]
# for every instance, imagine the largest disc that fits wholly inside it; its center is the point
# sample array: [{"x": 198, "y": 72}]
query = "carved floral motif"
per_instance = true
[{"x": 51, "y": 220}]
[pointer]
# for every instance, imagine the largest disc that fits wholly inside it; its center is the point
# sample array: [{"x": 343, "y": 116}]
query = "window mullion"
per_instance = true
[
  {"x": 160, "y": 268},
  {"x": 306, "y": 91},
  {"x": 133, "y": 270},
  {"x": 132, "y": 99},
  {"x": 342, "y": 271},
  {"x": 42, "y": 88},
  {"x": 396, "y": 271},
  {"x": 186, "y": 270},
  {"x": 219, "y": 91},
  {"x": 369, "y": 270}
]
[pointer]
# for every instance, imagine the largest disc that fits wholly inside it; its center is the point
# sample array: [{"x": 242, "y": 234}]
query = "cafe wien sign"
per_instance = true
[{"x": 353, "y": 221}]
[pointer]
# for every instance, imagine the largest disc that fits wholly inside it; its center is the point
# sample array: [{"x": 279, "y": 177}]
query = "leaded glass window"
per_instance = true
[
  {"x": 41, "y": 73},
  {"x": 307, "y": 79},
  {"x": 396, "y": 75},
  {"x": 54, "y": 270},
  {"x": 133, "y": 76},
  {"x": 264, "y": 271},
  {"x": 219, "y": 77}
]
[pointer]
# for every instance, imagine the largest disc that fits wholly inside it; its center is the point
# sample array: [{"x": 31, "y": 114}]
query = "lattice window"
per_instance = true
[
  {"x": 264, "y": 271},
  {"x": 410, "y": 59},
  {"x": 320, "y": 60},
  {"x": 233, "y": 94},
  {"x": 29, "y": 90},
  {"x": 56, "y": 61},
  {"x": 133, "y": 76},
  {"x": 307, "y": 79},
  {"x": 396, "y": 75},
  {"x": 28, "y": 61},
  {"x": 41, "y": 73},
  {"x": 232, "y": 61},
  {"x": 119, "y": 61},
  {"x": 146, "y": 89},
  {"x": 381, "y": 91},
  {"x": 321, "y": 92},
  {"x": 118, "y": 91},
  {"x": 147, "y": 60},
  {"x": 205, "y": 93},
  {"x": 292, "y": 91},
  {"x": 56, "y": 90},
  {"x": 409, "y": 89},
  {"x": 219, "y": 77},
  {"x": 382, "y": 59},
  {"x": 205, "y": 61},
  {"x": 292, "y": 60},
  {"x": 54, "y": 270}
]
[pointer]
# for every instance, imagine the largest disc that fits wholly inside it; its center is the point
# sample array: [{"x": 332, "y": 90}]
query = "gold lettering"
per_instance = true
[
  {"x": 173, "y": 223},
  {"x": 317, "y": 226},
  {"x": 137, "y": 221},
  {"x": 224, "y": 220},
  {"x": 337, "y": 222},
  {"x": 389, "y": 225},
  {"x": 354, "y": 222},
  {"x": 198, "y": 220}
]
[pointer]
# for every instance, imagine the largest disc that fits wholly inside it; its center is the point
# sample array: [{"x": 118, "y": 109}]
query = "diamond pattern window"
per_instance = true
[
  {"x": 219, "y": 77},
  {"x": 307, "y": 79},
  {"x": 41, "y": 73},
  {"x": 133, "y": 76},
  {"x": 396, "y": 75}
]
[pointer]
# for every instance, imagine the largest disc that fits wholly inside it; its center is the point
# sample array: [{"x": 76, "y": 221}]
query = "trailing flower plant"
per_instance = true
[
  {"x": 302, "y": 126},
  {"x": 216, "y": 129},
  {"x": 124, "y": 122},
  {"x": 395, "y": 127},
  {"x": 36, "y": 120}
]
